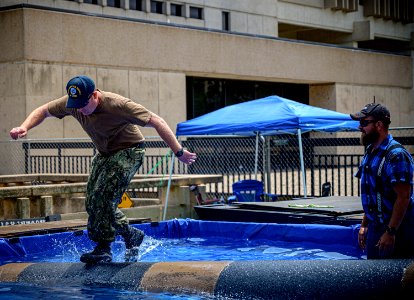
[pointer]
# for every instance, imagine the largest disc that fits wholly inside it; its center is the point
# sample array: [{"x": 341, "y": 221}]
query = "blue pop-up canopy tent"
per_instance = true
[{"x": 268, "y": 116}]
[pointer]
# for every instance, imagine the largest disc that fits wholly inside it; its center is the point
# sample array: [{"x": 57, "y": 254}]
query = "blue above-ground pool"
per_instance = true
[{"x": 215, "y": 259}]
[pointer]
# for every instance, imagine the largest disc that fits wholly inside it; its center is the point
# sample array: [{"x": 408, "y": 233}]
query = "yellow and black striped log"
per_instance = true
[{"x": 279, "y": 279}]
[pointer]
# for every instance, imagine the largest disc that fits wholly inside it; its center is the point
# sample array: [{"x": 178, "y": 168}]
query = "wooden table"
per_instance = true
[
  {"x": 333, "y": 205},
  {"x": 335, "y": 210}
]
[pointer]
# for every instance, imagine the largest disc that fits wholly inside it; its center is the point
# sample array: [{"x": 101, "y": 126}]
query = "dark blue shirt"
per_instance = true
[{"x": 397, "y": 169}]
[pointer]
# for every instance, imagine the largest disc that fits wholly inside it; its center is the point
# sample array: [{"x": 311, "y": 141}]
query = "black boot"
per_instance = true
[
  {"x": 133, "y": 238},
  {"x": 101, "y": 253}
]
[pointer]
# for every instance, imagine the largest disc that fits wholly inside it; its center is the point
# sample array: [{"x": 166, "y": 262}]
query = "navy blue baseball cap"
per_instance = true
[{"x": 79, "y": 89}]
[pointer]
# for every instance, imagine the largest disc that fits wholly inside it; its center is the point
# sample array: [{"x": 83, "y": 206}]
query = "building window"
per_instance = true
[
  {"x": 113, "y": 3},
  {"x": 135, "y": 5},
  {"x": 225, "y": 15},
  {"x": 176, "y": 10},
  {"x": 205, "y": 95},
  {"x": 196, "y": 12},
  {"x": 91, "y": 1},
  {"x": 157, "y": 7}
]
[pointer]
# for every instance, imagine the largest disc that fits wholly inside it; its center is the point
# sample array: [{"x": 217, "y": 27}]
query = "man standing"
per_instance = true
[
  {"x": 386, "y": 175},
  {"x": 112, "y": 123}
]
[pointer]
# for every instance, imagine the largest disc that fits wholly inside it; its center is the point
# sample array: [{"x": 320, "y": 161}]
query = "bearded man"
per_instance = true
[{"x": 386, "y": 178}]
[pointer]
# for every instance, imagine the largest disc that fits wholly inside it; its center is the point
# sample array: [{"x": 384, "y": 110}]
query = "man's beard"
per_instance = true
[{"x": 369, "y": 138}]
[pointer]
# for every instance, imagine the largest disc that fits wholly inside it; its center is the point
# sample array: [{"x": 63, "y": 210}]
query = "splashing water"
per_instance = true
[{"x": 196, "y": 249}]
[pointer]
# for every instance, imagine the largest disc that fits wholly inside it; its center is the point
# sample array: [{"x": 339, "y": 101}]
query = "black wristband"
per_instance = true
[
  {"x": 180, "y": 152},
  {"x": 391, "y": 230}
]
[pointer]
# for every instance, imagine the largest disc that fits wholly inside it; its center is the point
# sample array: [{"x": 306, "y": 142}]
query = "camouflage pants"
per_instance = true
[{"x": 108, "y": 180}]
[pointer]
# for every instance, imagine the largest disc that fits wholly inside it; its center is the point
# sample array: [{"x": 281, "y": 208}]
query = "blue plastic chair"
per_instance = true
[{"x": 249, "y": 190}]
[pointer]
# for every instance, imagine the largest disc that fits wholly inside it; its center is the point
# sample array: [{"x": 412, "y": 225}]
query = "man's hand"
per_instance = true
[
  {"x": 362, "y": 237},
  {"x": 18, "y": 132},
  {"x": 188, "y": 157},
  {"x": 386, "y": 245}
]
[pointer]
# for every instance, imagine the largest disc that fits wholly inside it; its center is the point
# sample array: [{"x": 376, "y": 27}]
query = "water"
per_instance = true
[
  {"x": 201, "y": 249},
  {"x": 24, "y": 291},
  {"x": 67, "y": 247},
  {"x": 224, "y": 249}
]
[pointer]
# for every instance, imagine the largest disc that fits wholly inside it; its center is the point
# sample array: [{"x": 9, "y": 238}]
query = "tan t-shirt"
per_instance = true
[{"x": 113, "y": 125}]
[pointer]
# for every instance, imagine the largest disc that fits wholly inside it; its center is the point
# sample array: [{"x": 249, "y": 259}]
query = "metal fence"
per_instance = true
[{"x": 329, "y": 159}]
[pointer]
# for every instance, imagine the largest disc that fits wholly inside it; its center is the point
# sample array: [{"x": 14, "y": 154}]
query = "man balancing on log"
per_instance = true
[{"x": 112, "y": 122}]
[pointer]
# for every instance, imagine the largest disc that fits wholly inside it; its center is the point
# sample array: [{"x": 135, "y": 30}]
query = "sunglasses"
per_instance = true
[{"x": 365, "y": 123}]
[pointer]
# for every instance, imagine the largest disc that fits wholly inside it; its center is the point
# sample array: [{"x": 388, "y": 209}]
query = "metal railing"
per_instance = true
[{"x": 328, "y": 157}]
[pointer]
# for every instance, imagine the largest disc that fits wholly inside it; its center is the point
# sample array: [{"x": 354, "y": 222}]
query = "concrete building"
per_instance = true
[{"x": 187, "y": 57}]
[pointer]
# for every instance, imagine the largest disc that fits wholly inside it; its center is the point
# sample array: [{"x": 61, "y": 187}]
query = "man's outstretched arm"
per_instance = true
[
  {"x": 165, "y": 132},
  {"x": 33, "y": 119}
]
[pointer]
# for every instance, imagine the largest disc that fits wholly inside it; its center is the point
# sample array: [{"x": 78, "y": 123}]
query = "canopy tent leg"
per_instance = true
[
  {"x": 256, "y": 155},
  {"x": 169, "y": 186},
  {"x": 268, "y": 166},
  {"x": 302, "y": 165}
]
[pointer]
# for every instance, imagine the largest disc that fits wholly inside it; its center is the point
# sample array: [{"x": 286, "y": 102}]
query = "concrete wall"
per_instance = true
[
  {"x": 42, "y": 50},
  {"x": 312, "y": 14},
  {"x": 66, "y": 39},
  {"x": 351, "y": 98},
  {"x": 20, "y": 201},
  {"x": 256, "y": 17}
]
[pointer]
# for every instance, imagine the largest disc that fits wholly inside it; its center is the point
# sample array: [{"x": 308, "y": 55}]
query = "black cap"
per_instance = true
[
  {"x": 376, "y": 110},
  {"x": 79, "y": 89}
]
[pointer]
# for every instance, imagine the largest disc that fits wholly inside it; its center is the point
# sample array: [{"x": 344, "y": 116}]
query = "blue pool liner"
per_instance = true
[{"x": 188, "y": 228}]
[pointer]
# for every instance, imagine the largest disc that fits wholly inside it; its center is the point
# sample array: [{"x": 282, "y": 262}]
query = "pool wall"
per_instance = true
[
  {"x": 261, "y": 279},
  {"x": 317, "y": 233},
  {"x": 342, "y": 279}
]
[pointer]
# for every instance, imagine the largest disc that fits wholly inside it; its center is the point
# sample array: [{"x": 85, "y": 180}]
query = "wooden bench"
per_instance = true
[{"x": 28, "y": 201}]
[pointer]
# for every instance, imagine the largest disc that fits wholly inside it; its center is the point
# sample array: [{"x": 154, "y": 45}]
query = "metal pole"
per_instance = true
[
  {"x": 302, "y": 165},
  {"x": 29, "y": 157},
  {"x": 262, "y": 139},
  {"x": 256, "y": 157},
  {"x": 264, "y": 169},
  {"x": 168, "y": 186},
  {"x": 268, "y": 166}
]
